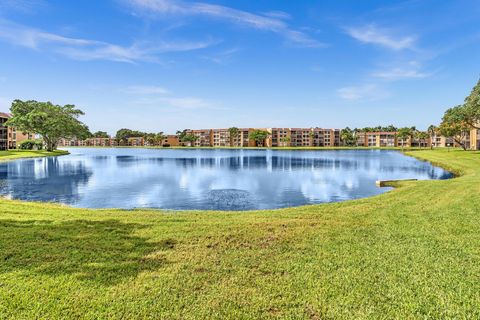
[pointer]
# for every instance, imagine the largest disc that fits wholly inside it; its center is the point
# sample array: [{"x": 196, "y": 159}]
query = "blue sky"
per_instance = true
[{"x": 163, "y": 65}]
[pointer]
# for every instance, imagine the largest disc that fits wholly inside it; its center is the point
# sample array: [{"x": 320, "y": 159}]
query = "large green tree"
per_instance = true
[
  {"x": 190, "y": 138},
  {"x": 52, "y": 122},
  {"x": 404, "y": 134},
  {"x": 233, "y": 133},
  {"x": 432, "y": 131},
  {"x": 347, "y": 136},
  {"x": 471, "y": 107},
  {"x": 259, "y": 137},
  {"x": 123, "y": 134},
  {"x": 100, "y": 134},
  {"x": 454, "y": 125}
]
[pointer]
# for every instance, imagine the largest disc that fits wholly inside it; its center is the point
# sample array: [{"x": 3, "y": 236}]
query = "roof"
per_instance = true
[{"x": 5, "y": 115}]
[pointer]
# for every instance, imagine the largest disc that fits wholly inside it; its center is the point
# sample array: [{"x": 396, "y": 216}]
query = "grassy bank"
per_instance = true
[
  {"x": 411, "y": 253},
  {"x": 17, "y": 154}
]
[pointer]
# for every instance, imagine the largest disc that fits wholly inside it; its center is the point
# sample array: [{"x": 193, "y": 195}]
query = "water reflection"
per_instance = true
[
  {"x": 207, "y": 179},
  {"x": 44, "y": 179}
]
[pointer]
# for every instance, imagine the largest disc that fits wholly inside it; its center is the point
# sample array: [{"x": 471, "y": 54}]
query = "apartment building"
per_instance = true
[
  {"x": 221, "y": 138},
  {"x": 3, "y": 131},
  {"x": 9, "y": 136},
  {"x": 325, "y": 137},
  {"x": 279, "y": 137},
  {"x": 380, "y": 139},
  {"x": 100, "y": 142},
  {"x": 244, "y": 138},
  {"x": 171, "y": 141},
  {"x": 361, "y": 139},
  {"x": 136, "y": 141},
  {"x": 301, "y": 137},
  {"x": 204, "y": 137}
]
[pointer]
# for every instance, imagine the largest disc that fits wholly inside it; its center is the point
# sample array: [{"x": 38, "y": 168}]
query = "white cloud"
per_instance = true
[
  {"x": 273, "y": 22},
  {"x": 156, "y": 95},
  {"x": 23, "y": 6},
  {"x": 382, "y": 37},
  {"x": 85, "y": 49},
  {"x": 278, "y": 14},
  {"x": 410, "y": 70},
  {"x": 369, "y": 92},
  {"x": 186, "y": 102},
  {"x": 222, "y": 57},
  {"x": 146, "y": 90},
  {"x": 399, "y": 73}
]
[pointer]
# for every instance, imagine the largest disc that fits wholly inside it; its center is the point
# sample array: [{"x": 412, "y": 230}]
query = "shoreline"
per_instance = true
[
  {"x": 10, "y": 155},
  {"x": 397, "y": 184}
]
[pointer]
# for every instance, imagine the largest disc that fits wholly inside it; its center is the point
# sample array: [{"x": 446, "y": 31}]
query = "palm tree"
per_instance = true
[
  {"x": 233, "y": 132},
  {"x": 432, "y": 131},
  {"x": 159, "y": 137},
  {"x": 404, "y": 134}
]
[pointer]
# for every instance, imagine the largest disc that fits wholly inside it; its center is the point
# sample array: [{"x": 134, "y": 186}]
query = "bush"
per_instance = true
[{"x": 30, "y": 145}]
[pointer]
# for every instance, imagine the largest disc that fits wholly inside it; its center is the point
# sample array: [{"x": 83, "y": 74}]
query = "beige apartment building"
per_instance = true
[
  {"x": 220, "y": 138},
  {"x": 380, "y": 139},
  {"x": 325, "y": 137},
  {"x": 279, "y": 137},
  {"x": 171, "y": 140},
  {"x": 204, "y": 137},
  {"x": 300, "y": 137},
  {"x": 101, "y": 142}
]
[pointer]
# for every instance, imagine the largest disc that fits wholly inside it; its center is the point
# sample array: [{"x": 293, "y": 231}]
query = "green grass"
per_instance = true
[
  {"x": 16, "y": 154},
  {"x": 413, "y": 252}
]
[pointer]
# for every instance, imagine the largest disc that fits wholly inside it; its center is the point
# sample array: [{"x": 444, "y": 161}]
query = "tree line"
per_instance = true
[{"x": 54, "y": 122}]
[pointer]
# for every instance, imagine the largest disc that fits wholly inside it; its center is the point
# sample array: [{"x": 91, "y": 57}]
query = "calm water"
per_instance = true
[{"x": 207, "y": 179}]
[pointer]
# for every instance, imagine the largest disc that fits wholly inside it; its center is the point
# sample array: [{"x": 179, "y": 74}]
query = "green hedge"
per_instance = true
[{"x": 30, "y": 145}]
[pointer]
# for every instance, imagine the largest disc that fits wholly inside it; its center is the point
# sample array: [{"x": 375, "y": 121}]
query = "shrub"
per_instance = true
[{"x": 30, "y": 145}]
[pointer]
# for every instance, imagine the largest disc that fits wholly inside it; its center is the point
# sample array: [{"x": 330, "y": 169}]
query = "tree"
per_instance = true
[
  {"x": 347, "y": 136},
  {"x": 123, "y": 135},
  {"x": 422, "y": 137},
  {"x": 51, "y": 122},
  {"x": 455, "y": 131},
  {"x": 233, "y": 133},
  {"x": 181, "y": 135},
  {"x": 471, "y": 108},
  {"x": 259, "y": 137},
  {"x": 285, "y": 141},
  {"x": 100, "y": 134},
  {"x": 190, "y": 138},
  {"x": 150, "y": 138},
  {"x": 454, "y": 125},
  {"x": 432, "y": 131},
  {"x": 159, "y": 137},
  {"x": 404, "y": 134}
]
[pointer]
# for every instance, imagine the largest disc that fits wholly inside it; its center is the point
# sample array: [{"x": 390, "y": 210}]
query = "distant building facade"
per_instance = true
[
  {"x": 277, "y": 137},
  {"x": 9, "y": 136}
]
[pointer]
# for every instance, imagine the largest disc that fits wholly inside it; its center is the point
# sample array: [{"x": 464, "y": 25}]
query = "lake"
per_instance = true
[{"x": 213, "y": 179}]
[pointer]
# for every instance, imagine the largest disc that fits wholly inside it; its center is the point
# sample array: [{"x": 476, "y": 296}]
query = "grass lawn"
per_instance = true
[
  {"x": 410, "y": 253},
  {"x": 15, "y": 154}
]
